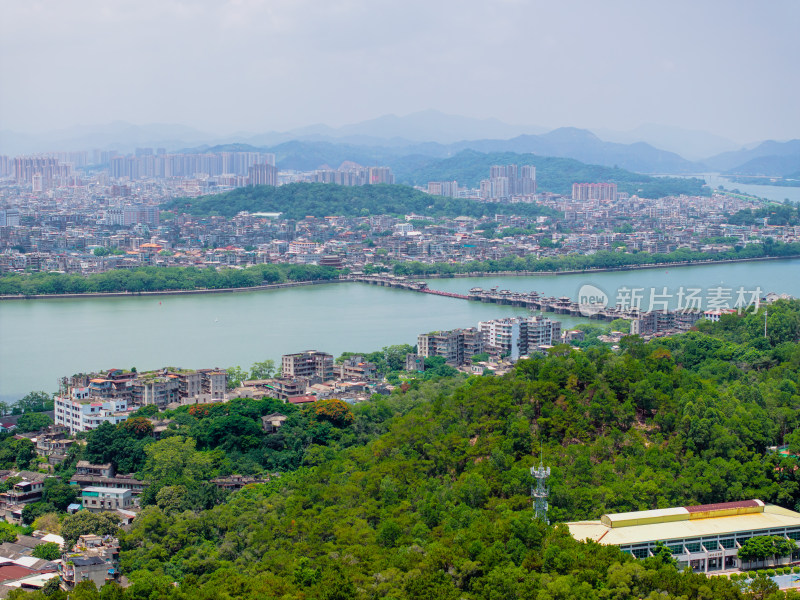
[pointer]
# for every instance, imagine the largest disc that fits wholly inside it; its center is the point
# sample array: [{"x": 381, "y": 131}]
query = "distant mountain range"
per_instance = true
[
  {"x": 690, "y": 144},
  {"x": 419, "y": 137},
  {"x": 770, "y": 159},
  {"x": 583, "y": 145}
]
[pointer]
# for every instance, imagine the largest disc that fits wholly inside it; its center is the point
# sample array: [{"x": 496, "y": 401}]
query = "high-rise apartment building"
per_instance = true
[
  {"x": 9, "y": 217},
  {"x": 48, "y": 170},
  {"x": 147, "y": 215},
  {"x": 380, "y": 175},
  {"x": 506, "y": 181},
  {"x": 594, "y": 191},
  {"x": 448, "y": 189},
  {"x": 263, "y": 174}
]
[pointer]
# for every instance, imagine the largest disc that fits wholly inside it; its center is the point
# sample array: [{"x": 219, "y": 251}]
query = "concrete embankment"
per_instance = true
[{"x": 255, "y": 288}]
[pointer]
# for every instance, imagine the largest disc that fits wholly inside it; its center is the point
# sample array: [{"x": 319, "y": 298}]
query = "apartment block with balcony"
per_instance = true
[
  {"x": 456, "y": 346},
  {"x": 284, "y": 388},
  {"x": 116, "y": 384},
  {"x": 535, "y": 332},
  {"x": 159, "y": 390},
  {"x": 190, "y": 384},
  {"x": 214, "y": 383},
  {"x": 310, "y": 364},
  {"x": 356, "y": 368},
  {"x": 23, "y": 492}
]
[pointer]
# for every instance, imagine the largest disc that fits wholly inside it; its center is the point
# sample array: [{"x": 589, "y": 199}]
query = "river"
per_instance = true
[
  {"x": 780, "y": 276},
  {"x": 775, "y": 193},
  {"x": 42, "y": 340}
]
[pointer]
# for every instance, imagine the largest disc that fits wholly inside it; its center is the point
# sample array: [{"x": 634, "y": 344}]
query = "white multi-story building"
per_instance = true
[
  {"x": 78, "y": 412},
  {"x": 502, "y": 336},
  {"x": 96, "y": 499}
]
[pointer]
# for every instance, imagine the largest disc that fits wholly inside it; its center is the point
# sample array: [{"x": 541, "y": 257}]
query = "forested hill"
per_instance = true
[
  {"x": 298, "y": 200},
  {"x": 426, "y": 494},
  {"x": 552, "y": 174}
]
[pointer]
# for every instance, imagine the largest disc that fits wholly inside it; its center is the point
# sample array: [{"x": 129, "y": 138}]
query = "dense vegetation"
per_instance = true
[
  {"x": 298, "y": 200},
  {"x": 425, "y": 494},
  {"x": 552, "y": 174},
  {"x": 153, "y": 279},
  {"x": 776, "y": 214},
  {"x": 599, "y": 260},
  {"x": 791, "y": 180}
]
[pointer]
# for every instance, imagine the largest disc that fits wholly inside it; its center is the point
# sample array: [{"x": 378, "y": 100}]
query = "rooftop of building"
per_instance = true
[
  {"x": 684, "y": 522},
  {"x": 105, "y": 490},
  {"x": 301, "y": 399},
  {"x": 85, "y": 464}
]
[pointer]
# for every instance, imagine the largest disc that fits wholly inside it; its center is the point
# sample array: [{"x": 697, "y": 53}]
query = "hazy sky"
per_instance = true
[{"x": 725, "y": 66}]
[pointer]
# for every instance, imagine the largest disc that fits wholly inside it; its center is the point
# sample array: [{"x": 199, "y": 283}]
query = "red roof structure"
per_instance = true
[{"x": 302, "y": 399}]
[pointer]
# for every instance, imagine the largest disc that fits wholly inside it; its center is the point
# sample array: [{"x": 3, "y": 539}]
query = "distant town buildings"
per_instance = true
[
  {"x": 44, "y": 170},
  {"x": 56, "y": 214},
  {"x": 146, "y": 164}
]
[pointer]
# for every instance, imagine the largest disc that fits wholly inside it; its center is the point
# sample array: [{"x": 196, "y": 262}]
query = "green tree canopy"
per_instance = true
[{"x": 84, "y": 522}]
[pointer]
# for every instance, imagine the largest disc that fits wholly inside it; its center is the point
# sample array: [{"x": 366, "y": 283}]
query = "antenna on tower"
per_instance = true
[{"x": 540, "y": 491}]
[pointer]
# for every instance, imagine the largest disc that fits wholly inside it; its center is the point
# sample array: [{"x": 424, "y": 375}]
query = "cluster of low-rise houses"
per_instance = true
[
  {"x": 92, "y": 557},
  {"x": 109, "y": 220}
]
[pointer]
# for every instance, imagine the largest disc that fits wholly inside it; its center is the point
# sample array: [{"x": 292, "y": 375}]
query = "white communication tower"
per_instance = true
[{"x": 540, "y": 491}]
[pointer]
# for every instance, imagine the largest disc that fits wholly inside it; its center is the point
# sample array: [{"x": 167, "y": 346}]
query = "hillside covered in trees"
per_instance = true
[
  {"x": 298, "y": 200},
  {"x": 552, "y": 174},
  {"x": 426, "y": 493}
]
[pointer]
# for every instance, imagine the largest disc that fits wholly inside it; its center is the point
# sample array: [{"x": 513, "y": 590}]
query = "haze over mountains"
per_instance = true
[{"x": 646, "y": 149}]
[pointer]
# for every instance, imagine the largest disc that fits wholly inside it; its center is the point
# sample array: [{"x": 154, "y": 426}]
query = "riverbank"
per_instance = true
[
  {"x": 292, "y": 284},
  {"x": 676, "y": 264},
  {"x": 255, "y": 288}
]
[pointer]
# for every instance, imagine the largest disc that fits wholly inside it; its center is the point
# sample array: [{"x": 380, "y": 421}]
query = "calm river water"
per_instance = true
[
  {"x": 770, "y": 192},
  {"x": 42, "y": 340}
]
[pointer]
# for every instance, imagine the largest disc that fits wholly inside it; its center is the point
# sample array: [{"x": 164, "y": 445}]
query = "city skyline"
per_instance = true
[{"x": 226, "y": 67}]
